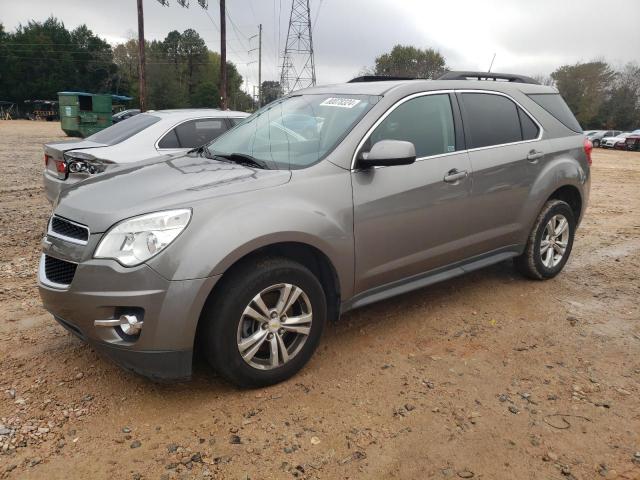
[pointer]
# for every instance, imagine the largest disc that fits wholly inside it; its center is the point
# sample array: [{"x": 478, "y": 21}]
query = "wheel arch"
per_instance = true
[
  {"x": 572, "y": 196},
  {"x": 312, "y": 257}
]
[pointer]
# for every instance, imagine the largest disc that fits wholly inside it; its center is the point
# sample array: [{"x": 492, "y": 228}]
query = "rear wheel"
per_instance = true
[
  {"x": 596, "y": 143},
  {"x": 550, "y": 242},
  {"x": 264, "y": 322}
]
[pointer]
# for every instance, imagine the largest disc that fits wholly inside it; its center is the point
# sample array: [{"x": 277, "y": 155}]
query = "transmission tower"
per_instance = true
[{"x": 298, "y": 67}]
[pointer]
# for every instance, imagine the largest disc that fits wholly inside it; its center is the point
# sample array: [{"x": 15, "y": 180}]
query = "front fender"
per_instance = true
[{"x": 224, "y": 230}]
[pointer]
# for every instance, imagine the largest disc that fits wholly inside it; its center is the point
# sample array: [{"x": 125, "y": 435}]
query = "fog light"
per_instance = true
[{"x": 130, "y": 324}]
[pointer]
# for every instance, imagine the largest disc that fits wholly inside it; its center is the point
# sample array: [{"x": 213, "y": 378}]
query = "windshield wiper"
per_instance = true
[
  {"x": 244, "y": 159},
  {"x": 199, "y": 150}
]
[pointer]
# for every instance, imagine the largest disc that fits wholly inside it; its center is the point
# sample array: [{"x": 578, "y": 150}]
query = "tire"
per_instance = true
[
  {"x": 535, "y": 264},
  {"x": 596, "y": 143},
  {"x": 228, "y": 328}
]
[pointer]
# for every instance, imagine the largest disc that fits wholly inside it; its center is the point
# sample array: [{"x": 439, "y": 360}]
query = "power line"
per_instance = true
[{"x": 315, "y": 20}]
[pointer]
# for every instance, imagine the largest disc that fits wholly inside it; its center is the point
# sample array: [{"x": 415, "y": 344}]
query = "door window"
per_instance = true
[
  {"x": 425, "y": 121},
  {"x": 170, "y": 140},
  {"x": 193, "y": 133},
  {"x": 530, "y": 130},
  {"x": 490, "y": 120},
  {"x": 196, "y": 133}
]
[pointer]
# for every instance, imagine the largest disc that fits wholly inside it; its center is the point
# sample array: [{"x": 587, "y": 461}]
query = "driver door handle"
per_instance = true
[
  {"x": 454, "y": 175},
  {"x": 534, "y": 156}
]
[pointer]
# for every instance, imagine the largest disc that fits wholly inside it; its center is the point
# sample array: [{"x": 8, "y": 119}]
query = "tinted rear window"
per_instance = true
[
  {"x": 123, "y": 130},
  {"x": 555, "y": 105},
  {"x": 530, "y": 130},
  {"x": 490, "y": 120}
]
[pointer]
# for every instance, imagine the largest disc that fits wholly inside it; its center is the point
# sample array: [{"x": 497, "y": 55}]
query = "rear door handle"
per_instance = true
[
  {"x": 534, "y": 156},
  {"x": 454, "y": 175}
]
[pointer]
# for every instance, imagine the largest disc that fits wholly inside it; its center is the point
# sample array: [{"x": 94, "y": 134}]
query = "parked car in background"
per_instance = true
[
  {"x": 323, "y": 201},
  {"x": 596, "y": 136},
  {"x": 632, "y": 142},
  {"x": 124, "y": 114},
  {"x": 143, "y": 136},
  {"x": 611, "y": 142}
]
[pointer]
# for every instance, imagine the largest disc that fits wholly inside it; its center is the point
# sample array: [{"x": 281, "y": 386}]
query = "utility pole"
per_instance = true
[
  {"x": 223, "y": 56},
  {"x": 142, "y": 84},
  {"x": 259, "y": 63},
  {"x": 260, "y": 66}
]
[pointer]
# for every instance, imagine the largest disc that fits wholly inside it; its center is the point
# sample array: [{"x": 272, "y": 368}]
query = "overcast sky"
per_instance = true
[{"x": 528, "y": 36}]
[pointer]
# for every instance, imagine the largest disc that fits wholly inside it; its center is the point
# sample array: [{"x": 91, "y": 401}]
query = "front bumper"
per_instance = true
[{"x": 103, "y": 289}]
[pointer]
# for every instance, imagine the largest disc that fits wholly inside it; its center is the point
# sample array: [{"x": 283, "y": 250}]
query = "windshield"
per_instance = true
[
  {"x": 295, "y": 132},
  {"x": 123, "y": 130}
]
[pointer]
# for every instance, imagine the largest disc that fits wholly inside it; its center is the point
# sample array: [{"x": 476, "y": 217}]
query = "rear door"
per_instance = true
[
  {"x": 413, "y": 218},
  {"x": 506, "y": 154}
]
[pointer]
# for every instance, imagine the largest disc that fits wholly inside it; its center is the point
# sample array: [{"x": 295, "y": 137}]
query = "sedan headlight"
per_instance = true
[{"x": 135, "y": 240}]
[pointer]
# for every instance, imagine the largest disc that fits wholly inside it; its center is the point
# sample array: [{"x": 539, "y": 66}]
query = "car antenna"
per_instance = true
[{"x": 491, "y": 65}]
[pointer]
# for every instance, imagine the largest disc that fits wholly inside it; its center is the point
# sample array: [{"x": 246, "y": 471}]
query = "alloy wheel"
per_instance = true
[
  {"x": 274, "y": 326},
  {"x": 555, "y": 239}
]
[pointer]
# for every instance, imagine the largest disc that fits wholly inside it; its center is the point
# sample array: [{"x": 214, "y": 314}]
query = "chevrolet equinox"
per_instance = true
[{"x": 323, "y": 201}]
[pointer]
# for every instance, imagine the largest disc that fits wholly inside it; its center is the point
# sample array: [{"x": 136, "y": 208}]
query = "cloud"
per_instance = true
[{"x": 527, "y": 36}]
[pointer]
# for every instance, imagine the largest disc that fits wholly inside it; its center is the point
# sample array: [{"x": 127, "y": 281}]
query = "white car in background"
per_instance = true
[
  {"x": 596, "y": 136},
  {"x": 141, "y": 137},
  {"x": 610, "y": 142}
]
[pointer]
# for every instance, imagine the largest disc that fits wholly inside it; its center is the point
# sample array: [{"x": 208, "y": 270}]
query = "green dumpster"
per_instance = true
[{"x": 83, "y": 114}]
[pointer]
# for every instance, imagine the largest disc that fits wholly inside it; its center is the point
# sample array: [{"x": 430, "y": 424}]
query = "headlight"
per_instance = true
[{"x": 134, "y": 241}]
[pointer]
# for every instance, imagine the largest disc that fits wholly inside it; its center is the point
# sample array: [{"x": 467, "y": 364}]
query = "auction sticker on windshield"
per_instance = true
[{"x": 341, "y": 102}]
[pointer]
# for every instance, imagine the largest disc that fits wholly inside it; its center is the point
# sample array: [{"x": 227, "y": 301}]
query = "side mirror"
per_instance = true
[{"x": 387, "y": 153}]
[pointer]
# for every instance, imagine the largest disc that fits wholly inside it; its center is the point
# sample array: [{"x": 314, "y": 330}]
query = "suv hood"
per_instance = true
[{"x": 150, "y": 186}]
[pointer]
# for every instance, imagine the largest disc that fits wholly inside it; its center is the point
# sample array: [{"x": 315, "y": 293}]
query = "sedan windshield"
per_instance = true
[{"x": 294, "y": 132}]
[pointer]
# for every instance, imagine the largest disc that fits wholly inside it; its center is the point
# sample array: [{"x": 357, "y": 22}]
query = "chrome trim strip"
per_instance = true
[
  {"x": 440, "y": 92},
  {"x": 42, "y": 276},
  {"x": 51, "y": 233}
]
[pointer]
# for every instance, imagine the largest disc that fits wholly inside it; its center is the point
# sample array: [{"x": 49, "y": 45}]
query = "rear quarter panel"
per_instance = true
[{"x": 565, "y": 163}]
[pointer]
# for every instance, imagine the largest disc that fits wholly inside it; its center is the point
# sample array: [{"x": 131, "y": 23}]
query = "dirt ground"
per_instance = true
[{"x": 486, "y": 376}]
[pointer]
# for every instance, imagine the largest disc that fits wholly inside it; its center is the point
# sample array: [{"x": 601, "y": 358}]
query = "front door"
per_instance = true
[{"x": 413, "y": 218}]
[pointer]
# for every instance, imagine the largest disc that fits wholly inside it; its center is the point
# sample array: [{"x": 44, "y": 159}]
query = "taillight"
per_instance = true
[
  {"x": 588, "y": 147},
  {"x": 61, "y": 167},
  {"x": 46, "y": 160}
]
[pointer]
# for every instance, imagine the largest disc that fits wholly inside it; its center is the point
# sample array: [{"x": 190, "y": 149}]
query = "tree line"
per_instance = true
[
  {"x": 600, "y": 96},
  {"x": 39, "y": 59}
]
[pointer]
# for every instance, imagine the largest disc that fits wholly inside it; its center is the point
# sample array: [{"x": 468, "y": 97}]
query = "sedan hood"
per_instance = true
[{"x": 150, "y": 186}]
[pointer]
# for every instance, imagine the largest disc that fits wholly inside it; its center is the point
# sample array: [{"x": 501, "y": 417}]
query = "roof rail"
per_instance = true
[
  {"x": 509, "y": 77},
  {"x": 378, "y": 78}
]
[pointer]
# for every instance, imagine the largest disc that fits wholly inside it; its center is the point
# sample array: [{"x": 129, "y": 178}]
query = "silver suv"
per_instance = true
[{"x": 326, "y": 200}]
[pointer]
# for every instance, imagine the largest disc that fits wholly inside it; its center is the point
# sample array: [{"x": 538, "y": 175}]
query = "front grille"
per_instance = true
[
  {"x": 59, "y": 271},
  {"x": 66, "y": 228}
]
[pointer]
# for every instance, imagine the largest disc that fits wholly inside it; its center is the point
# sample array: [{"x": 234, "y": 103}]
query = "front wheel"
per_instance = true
[
  {"x": 550, "y": 242},
  {"x": 596, "y": 143},
  {"x": 264, "y": 322}
]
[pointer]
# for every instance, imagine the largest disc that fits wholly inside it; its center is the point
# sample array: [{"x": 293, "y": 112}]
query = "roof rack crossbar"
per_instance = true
[
  {"x": 378, "y": 78},
  {"x": 509, "y": 77}
]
